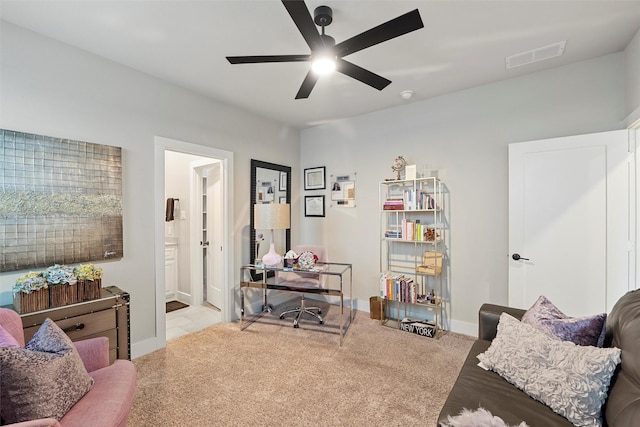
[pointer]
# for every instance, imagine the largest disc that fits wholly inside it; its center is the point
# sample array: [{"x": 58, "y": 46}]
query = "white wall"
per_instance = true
[
  {"x": 464, "y": 135},
  {"x": 54, "y": 89},
  {"x": 632, "y": 79}
]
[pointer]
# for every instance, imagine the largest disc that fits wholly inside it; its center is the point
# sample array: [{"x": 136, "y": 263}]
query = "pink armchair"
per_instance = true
[{"x": 109, "y": 401}]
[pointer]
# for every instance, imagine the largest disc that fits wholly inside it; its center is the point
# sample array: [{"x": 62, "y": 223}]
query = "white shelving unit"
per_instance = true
[{"x": 412, "y": 254}]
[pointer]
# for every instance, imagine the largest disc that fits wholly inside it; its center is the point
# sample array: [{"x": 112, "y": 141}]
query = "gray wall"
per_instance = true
[
  {"x": 54, "y": 89},
  {"x": 464, "y": 135}
]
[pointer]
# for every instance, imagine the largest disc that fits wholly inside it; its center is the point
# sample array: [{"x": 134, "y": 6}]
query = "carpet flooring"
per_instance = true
[
  {"x": 272, "y": 374},
  {"x": 175, "y": 305}
]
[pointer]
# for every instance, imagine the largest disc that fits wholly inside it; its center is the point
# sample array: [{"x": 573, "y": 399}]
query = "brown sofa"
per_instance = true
[{"x": 476, "y": 387}]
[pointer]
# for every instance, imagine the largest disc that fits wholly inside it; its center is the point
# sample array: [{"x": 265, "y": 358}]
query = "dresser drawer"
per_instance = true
[{"x": 82, "y": 326}]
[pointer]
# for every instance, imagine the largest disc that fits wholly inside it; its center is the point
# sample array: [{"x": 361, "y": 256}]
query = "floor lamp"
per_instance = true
[{"x": 271, "y": 216}]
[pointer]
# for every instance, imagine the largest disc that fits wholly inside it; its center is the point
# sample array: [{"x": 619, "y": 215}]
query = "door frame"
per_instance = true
[{"x": 161, "y": 144}]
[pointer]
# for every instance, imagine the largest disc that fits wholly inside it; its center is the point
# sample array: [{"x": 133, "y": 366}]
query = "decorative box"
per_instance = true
[
  {"x": 89, "y": 289},
  {"x": 432, "y": 263},
  {"x": 63, "y": 294},
  {"x": 34, "y": 301}
]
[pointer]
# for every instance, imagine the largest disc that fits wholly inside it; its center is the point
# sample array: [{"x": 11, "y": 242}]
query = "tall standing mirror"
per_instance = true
[{"x": 270, "y": 183}]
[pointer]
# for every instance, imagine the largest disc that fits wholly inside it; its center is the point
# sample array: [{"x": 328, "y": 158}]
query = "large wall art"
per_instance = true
[{"x": 60, "y": 201}]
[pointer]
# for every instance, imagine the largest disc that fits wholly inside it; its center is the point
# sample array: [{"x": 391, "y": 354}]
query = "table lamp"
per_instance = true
[{"x": 271, "y": 216}]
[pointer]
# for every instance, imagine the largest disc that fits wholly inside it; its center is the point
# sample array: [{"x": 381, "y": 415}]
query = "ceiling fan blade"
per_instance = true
[
  {"x": 396, "y": 27},
  {"x": 307, "y": 85},
  {"x": 359, "y": 73},
  {"x": 303, "y": 20},
  {"x": 267, "y": 58}
]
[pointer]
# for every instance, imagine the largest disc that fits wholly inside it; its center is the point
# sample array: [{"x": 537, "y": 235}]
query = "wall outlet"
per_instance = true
[{"x": 183, "y": 214}]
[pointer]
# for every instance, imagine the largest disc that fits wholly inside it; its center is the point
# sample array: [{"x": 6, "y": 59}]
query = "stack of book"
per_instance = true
[{"x": 393, "y": 205}]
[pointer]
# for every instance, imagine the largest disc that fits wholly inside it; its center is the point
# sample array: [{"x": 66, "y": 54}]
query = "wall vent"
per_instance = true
[{"x": 535, "y": 55}]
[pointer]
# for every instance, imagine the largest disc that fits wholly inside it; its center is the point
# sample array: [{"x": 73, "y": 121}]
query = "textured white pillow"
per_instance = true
[{"x": 572, "y": 380}]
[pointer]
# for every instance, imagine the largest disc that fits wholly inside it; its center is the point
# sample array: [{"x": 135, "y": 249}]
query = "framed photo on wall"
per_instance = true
[
  {"x": 314, "y": 178},
  {"x": 314, "y": 206},
  {"x": 283, "y": 181}
]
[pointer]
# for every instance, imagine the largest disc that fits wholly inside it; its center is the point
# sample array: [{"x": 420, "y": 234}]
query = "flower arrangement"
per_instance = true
[
  {"x": 88, "y": 272},
  {"x": 30, "y": 293},
  {"x": 60, "y": 275},
  {"x": 30, "y": 282}
]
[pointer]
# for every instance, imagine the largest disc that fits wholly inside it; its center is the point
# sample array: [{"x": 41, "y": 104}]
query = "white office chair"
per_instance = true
[{"x": 304, "y": 280}]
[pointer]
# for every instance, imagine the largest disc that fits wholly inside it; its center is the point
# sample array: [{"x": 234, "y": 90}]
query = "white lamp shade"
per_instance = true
[{"x": 271, "y": 216}]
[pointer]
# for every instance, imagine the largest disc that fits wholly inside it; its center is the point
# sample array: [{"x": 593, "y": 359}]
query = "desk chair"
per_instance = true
[{"x": 304, "y": 280}]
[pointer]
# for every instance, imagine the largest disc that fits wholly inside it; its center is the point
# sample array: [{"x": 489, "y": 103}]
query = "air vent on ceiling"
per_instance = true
[{"x": 535, "y": 55}]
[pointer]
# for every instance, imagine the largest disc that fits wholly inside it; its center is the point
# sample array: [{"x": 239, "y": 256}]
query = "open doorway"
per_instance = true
[{"x": 193, "y": 242}]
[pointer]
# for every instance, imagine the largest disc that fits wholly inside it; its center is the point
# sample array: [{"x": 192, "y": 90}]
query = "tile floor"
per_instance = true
[{"x": 191, "y": 319}]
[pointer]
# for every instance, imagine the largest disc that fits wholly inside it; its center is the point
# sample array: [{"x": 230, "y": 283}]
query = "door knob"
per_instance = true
[{"x": 517, "y": 257}]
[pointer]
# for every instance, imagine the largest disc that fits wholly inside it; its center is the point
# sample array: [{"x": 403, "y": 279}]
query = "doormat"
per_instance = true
[{"x": 175, "y": 305}]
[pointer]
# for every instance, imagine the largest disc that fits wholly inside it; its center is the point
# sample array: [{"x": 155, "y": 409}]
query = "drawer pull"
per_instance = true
[{"x": 76, "y": 327}]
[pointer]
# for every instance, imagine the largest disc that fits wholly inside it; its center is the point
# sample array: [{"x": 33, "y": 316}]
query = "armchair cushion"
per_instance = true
[
  {"x": 44, "y": 379},
  {"x": 7, "y": 340}
]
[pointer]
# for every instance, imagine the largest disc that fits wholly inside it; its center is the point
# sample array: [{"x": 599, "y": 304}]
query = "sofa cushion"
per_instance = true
[
  {"x": 6, "y": 339},
  {"x": 572, "y": 380},
  {"x": 549, "y": 319},
  {"x": 476, "y": 387},
  {"x": 44, "y": 379}
]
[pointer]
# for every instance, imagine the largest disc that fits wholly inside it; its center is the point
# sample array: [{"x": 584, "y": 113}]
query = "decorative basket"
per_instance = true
[
  {"x": 63, "y": 295},
  {"x": 35, "y": 301},
  {"x": 89, "y": 289}
]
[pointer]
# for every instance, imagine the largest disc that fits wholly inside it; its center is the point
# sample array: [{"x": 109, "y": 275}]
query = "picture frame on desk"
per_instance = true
[
  {"x": 314, "y": 178},
  {"x": 314, "y": 206}
]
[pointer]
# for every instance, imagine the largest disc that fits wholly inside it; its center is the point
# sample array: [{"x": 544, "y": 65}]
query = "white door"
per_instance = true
[
  {"x": 569, "y": 221},
  {"x": 211, "y": 187}
]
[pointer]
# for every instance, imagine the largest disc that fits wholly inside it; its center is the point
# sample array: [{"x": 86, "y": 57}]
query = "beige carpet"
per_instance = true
[{"x": 271, "y": 374}]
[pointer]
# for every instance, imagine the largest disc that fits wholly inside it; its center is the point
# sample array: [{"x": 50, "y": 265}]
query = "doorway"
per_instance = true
[{"x": 200, "y": 230}]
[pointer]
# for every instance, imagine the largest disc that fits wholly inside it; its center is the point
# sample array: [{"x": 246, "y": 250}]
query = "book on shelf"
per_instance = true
[
  {"x": 393, "y": 205},
  {"x": 393, "y": 234},
  {"x": 398, "y": 287}
]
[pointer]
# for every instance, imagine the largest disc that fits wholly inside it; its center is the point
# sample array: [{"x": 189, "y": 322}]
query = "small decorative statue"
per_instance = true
[{"x": 398, "y": 165}]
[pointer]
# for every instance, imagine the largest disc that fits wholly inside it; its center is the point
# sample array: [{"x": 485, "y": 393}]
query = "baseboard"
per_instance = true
[{"x": 144, "y": 347}]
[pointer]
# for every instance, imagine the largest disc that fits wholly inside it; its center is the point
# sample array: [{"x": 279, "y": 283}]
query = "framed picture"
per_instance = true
[
  {"x": 314, "y": 206},
  {"x": 314, "y": 179},
  {"x": 283, "y": 181}
]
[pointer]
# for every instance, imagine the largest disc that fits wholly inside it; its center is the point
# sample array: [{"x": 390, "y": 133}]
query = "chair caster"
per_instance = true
[
  {"x": 296, "y": 326},
  {"x": 319, "y": 311},
  {"x": 281, "y": 316},
  {"x": 322, "y": 322}
]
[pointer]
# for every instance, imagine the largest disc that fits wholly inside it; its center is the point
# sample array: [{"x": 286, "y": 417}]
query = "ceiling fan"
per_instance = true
[{"x": 324, "y": 50}]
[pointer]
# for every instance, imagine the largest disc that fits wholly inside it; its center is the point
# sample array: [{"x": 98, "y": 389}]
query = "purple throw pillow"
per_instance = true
[{"x": 546, "y": 317}]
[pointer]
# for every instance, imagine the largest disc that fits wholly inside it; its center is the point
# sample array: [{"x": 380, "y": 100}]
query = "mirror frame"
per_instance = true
[{"x": 255, "y": 164}]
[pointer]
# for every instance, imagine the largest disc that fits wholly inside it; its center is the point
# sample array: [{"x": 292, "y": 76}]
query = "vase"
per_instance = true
[
  {"x": 63, "y": 294},
  {"x": 35, "y": 301}
]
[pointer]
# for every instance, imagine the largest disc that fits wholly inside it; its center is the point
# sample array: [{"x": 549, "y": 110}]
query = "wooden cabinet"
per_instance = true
[{"x": 107, "y": 316}]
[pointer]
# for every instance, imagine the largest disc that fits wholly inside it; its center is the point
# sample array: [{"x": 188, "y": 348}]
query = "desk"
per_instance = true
[{"x": 334, "y": 269}]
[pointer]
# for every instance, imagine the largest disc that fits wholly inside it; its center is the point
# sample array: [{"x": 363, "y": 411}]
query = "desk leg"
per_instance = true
[
  {"x": 341, "y": 312},
  {"x": 266, "y": 307}
]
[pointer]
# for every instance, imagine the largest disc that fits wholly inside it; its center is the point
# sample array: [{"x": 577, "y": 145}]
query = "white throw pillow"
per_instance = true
[{"x": 572, "y": 380}]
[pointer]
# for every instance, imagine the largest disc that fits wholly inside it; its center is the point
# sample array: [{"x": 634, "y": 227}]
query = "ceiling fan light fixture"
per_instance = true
[{"x": 323, "y": 64}]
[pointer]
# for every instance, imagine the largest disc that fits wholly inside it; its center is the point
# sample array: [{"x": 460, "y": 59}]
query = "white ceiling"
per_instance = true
[{"x": 463, "y": 44}]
